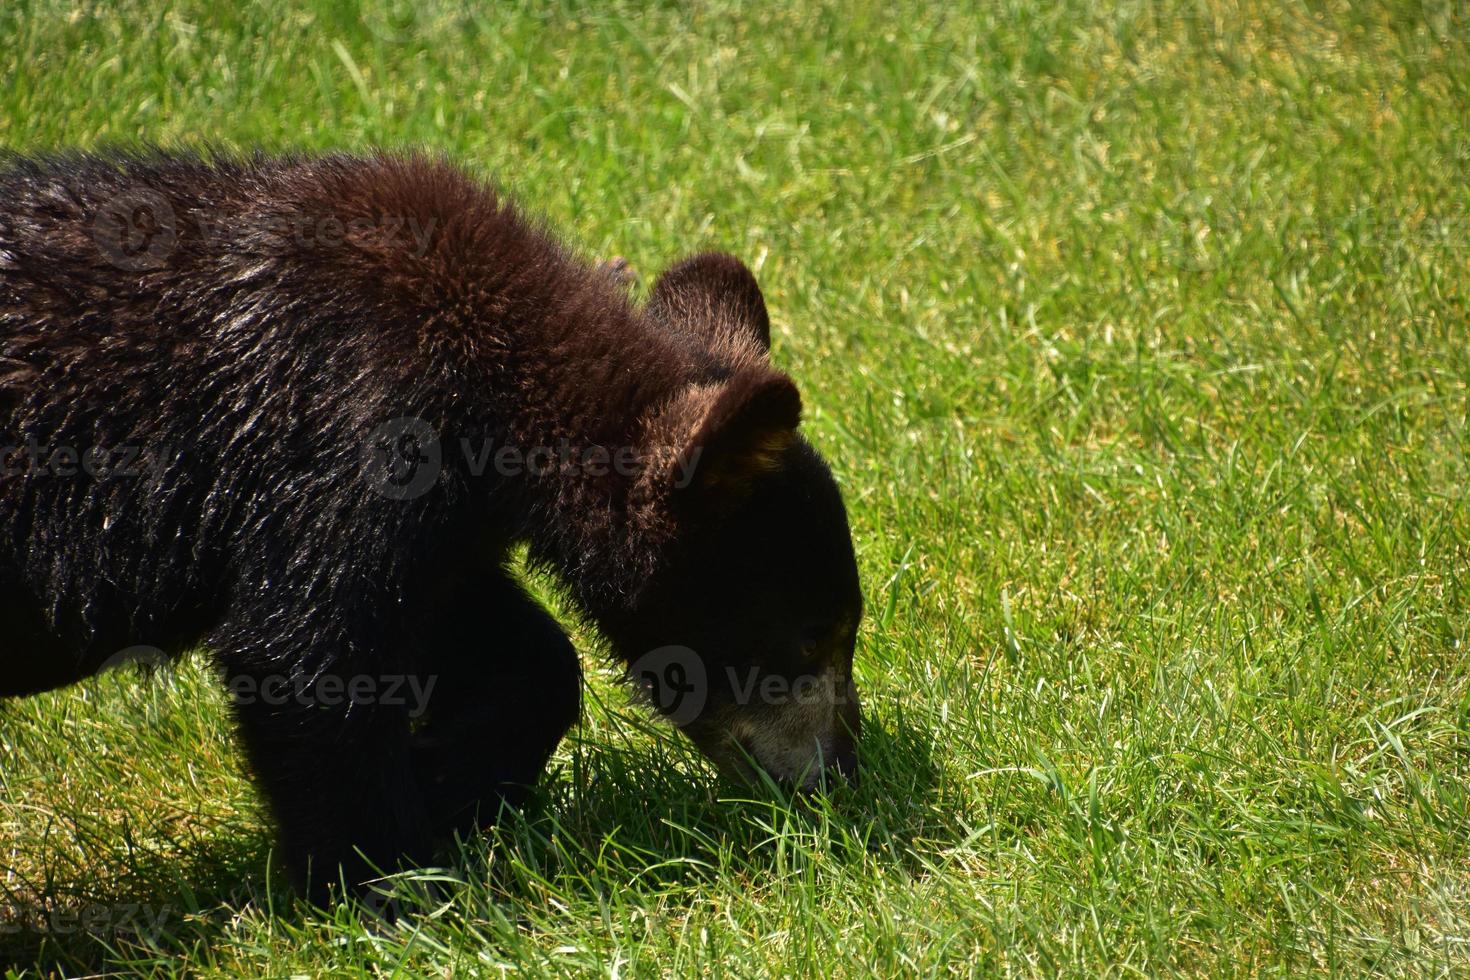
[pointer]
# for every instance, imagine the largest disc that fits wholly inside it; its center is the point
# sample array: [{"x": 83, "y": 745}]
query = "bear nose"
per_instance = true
[
  {"x": 849, "y": 725},
  {"x": 843, "y": 761},
  {"x": 846, "y": 763}
]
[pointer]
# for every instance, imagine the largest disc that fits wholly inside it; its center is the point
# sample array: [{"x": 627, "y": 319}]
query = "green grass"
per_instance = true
[{"x": 1139, "y": 341}]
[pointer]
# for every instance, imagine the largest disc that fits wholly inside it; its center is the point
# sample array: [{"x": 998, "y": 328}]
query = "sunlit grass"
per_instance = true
[{"x": 1138, "y": 340}]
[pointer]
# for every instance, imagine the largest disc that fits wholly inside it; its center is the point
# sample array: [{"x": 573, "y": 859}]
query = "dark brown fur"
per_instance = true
[{"x": 247, "y": 326}]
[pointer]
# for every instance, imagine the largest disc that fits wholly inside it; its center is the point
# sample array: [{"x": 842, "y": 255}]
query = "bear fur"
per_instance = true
[{"x": 253, "y": 405}]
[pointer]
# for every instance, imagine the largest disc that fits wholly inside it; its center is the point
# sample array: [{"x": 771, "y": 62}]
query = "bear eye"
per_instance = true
[{"x": 811, "y": 643}]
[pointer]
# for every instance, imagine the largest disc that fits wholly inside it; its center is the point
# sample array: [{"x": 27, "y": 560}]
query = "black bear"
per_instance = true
[{"x": 298, "y": 411}]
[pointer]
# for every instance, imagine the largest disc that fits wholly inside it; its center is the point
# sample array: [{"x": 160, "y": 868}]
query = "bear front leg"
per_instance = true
[
  {"x": 335, "y": 766},
  {"x": 507, "y": 688}
]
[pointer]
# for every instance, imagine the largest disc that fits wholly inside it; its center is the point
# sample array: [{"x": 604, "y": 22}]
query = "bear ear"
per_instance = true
[
  {"x": 715, "y": 438},
  {"x": 712, "y": 295}
]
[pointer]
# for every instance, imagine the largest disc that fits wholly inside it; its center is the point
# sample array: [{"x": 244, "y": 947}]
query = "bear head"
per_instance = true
[{"x": 743, "y": 634}]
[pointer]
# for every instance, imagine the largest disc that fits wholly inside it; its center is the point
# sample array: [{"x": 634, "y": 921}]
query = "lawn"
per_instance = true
[{"x": 1139, "y": 340}]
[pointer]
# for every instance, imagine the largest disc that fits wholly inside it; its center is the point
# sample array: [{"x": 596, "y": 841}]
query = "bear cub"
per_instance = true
[{"x": 298, "y": 412}]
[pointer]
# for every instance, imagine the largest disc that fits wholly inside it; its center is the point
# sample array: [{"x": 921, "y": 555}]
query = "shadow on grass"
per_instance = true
[
  {"x": 641, "y": 819},
  {"x": 146, "y": 914},
  {"x": 612, "y": 818}
]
